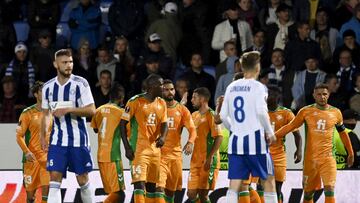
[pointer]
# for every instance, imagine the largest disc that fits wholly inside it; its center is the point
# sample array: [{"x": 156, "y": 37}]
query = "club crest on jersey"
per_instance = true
[{"x": 279, "y": 117}]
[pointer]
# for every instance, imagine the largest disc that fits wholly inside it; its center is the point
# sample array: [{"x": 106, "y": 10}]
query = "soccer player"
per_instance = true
[
  {"x": 34, "y": 158},
  {"x": 147, "y": 114},
  {"x": 105, "y": 122},
  {"x": 244, "y": 112},
  {"x": 171, "y": 161},
  {"x": 68, "y": 98},
  {"x": 280, "y": 116},
  {"x": 205, "y": 161},
  {"x": 319, "y": 163}
]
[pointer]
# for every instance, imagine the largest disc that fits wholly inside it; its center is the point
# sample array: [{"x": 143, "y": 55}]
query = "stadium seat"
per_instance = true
[{"x": 22, "y": 30}]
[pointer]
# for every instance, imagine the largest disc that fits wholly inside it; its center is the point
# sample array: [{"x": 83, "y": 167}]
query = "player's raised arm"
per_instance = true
[{"x": 295, "y": 123}]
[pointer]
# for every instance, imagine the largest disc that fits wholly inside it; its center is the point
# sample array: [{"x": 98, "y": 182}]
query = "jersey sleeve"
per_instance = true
[
  {"x": 130, "y": 110},
  {"x": 339, "y": 118},
  {"x": 295, "y": 123},
  {"x": 21, "y": 129},
  {"x": 86, "y": 97},
  {"x": 94, "y": 119},
  {"x": 289, "y": 117},
  {"x": 215, "y": 129},
  {"x": 188, "y": 122},
  {"x": 163, "y": 118},
  {"x": 45, "y": 98}
]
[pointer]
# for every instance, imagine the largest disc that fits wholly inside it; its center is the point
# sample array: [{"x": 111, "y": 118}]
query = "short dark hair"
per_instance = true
[
  {"x": 105, "y": 72},
  {"x": 36, "y": 87},
  {"x": 63, "y": 52},
  {"x": 203, "y": 92},
  {"x": 167, "y": 81},
  {"x": 300, "y": 24},
  {"x": 329, "y": 76},
  {"x": 321, "y": 86},
  {"x": 183, "y": 80},
  {"x": 227, "y": 43},
  {"x": 278, "y": 50},
  {"x": 104, "y": 48},
  {"x": 274, "y": 88},
  {"x": 151, "y": 79},
  {"x": 259, "y": 30},
  {"x": 238, "y": 75},
  {"x": 249, "y": 60},
  {"x": 117, "y": 91}
]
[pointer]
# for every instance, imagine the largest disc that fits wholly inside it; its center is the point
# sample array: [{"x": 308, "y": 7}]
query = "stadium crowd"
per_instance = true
[{"x": 194, "y": 43}]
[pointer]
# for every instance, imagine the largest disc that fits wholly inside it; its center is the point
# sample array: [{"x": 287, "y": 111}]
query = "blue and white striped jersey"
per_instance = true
[
  {"x": 242, "y": 111},
  {"x": 68, "y": 130}
]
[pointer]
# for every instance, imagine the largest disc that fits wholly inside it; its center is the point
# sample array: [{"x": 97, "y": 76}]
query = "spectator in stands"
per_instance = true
[
  {"x": 233, "y": 66},
  {"x": 153, "y": 47},
  {"x": 281, "y": 76},
  {"x": 325, "y": 35},
  {"x": 42, "y": 56},
  {"x": 169, "y": 30},
  {"x": 302, "y": 46},
  {"x": 12, "y": 103},
  {"x": 152, "y": 10},
  {"x": 305, "y": 82},
  {"x": 126, "y": 18},
  {"x": 197, "y": 77},
  {"x": 22, "y": 70},
  {"x": 196, "y": 30},
  {"x": 356, "y": 87},
  {"x": 42, "y": 14},
  {"x": 345, "y": 73},
  {"x": 232, "y": 29},
  {"x": 84, "y": 63},
  {"x": 305, "y": 10},
  {"x": 336, "y": 98},
  {"x": 7, "y": 39},
  {"x": 229, "y": 50},
  {"x": 105, "y": 62},
  {"x": 248, "y": 13},
  {"x": 182, "y": 89},
  {"x": 353, "y": 24},
  {"x": 267, "y": 15},
  {"x": 344, "y": 12},
  {"x": 283, "y": 30},
  {"x": 85, "y": 23},
  {"x": 101, "y": 92},
  {"x": 264, "y": 76},
  {"x": 126, "y": 61},
  {"x": 349, "y": 39},
  {"x": 354, "y": 102},
  {"x": 260, "y": 45}
]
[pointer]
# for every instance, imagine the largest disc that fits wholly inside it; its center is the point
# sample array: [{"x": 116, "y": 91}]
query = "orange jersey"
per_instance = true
[
  {"x": 145, "y": 119},
  {"x": 206, "y": 130},
  {"x": 106, "y": 120},
  {"x": 278, "y": 118},
  {"x": 319, "y": 129},
  {"x": 178, "y": 117},
  {"x": 29, "y": 127}
]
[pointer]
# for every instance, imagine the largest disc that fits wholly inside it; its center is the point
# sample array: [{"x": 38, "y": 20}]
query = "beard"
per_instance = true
[
  {"x": 169, "y": 98},
  {"x": 65, "y": 73}
]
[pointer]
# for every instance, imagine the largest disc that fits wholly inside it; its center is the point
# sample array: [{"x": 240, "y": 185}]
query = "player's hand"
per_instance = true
[
  {"x": 219, "y": 102},
  {"x": 44, "y": 144},
  {"x": 30, "y": 157},
  {"x": 60, "y": 112},
  {"x": 208, "y": 163},
  {"x": 350, "y": 161},
  {"x": 298, "y": 156},
  {"x": 129, "y": 154},
  {"x": 188, "y": 148},
  {"x": 270, "y": 139},
  {"x": 160, "y": 142},
  {"x": 184, "y": 98}
]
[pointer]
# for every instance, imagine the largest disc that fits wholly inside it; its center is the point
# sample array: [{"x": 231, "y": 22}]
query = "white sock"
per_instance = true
[
  {"x": 231, "y": 196},
  {"x": 86, "y": 193},
  {"x": 54, "y": 192},
  {"x": 270, "y": 197}
]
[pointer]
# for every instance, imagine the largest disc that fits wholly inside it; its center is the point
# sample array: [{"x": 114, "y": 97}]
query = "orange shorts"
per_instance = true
[
  {"x": 35, "y": 175},
  {"x": 201, "y": 179},
  {"x": 315, "y": 171},
  {"x": 112, "y": 176},
  {"x": 279, "y": 160},
  {"x": 145, "y": 168},
  {"x": 170, "y": 174}
]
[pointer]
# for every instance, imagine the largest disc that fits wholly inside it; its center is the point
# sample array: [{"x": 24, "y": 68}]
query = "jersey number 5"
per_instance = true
[{"x": 239, "y": 113}]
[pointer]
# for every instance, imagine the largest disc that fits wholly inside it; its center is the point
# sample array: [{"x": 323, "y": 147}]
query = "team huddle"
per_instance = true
[{"x": 53, "y": 136}]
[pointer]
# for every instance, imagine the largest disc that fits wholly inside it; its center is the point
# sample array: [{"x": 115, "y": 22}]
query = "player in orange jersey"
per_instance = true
[
  {"x": 34, "y": 158},
  {"x": 280, "y": 116},
  {"x": 105, "y": 122},
  {"x": 319, "y": 163},
  {"x": 147, "y": 114},
  {"x": 171, "y": 161},
  {"x": 205, "y": 161}
]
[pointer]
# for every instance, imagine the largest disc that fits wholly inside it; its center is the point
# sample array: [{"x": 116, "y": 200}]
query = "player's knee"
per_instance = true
[
  {"x": 269, "y": 184},
  {"x": 56, "y": 176},
  {"x": 192, "y": 194},
  {"x": 244, "y": 187},
  {"x": 82, "y": 179}
]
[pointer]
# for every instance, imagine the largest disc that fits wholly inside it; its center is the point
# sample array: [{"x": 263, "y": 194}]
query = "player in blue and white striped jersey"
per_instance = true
[
  {"x": 244, "y": 112},
  {"x": 68, "y": 100}
]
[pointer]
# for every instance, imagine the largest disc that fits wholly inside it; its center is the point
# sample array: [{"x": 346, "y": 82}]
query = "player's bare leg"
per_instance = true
[
  {"x": 329, "y": 194},
  {"x": 309, "y": 196},
  {"x": 44, "y": 193},
  {"x": 193, "y": 195},
  {"x": 269, "y": 189},
  {"x": 30, "y": 196},
  {"x": 54, "y": 187},
  {"x": 85, "y": 187},
  {"x": 235, "y": 187},
  {"x": 204, "y": 196}
]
